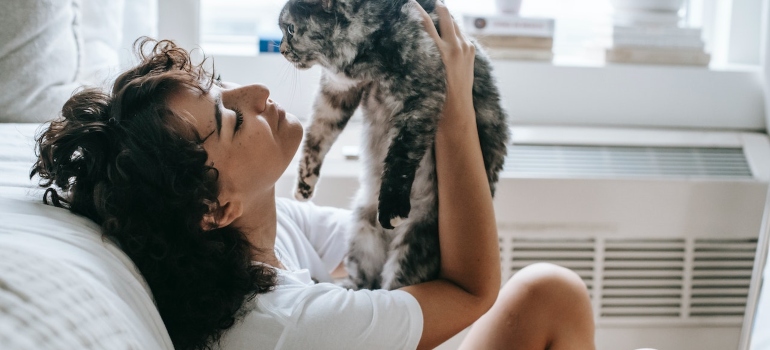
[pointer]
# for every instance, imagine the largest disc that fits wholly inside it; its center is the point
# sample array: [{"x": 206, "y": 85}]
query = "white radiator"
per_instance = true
[{"x": 662, "y": 225}]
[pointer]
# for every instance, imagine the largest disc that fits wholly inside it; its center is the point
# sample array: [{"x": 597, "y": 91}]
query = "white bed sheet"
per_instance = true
[
  {"x": 61, "y": 284},
  {"x": 17, "y": 156}
]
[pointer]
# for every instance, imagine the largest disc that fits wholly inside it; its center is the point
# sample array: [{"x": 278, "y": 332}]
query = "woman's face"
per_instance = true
[{"x": 252, "y": 139}]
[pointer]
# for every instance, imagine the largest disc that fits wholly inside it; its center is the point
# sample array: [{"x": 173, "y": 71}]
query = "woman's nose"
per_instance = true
[{"x": 247, "y": 98}]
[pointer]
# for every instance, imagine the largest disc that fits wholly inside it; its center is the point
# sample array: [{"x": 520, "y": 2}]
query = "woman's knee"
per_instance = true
[
  {"x": 556, "y": 300},
  {"x": 541, "y": 306},
  {"x": 549, "y": 286},
  {"x": 548, "y": 278}
]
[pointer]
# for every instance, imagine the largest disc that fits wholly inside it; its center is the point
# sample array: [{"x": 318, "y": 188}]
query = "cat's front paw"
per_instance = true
[
  {"x": 393, "y": 210},
  {"x": 303, "y": 192}
]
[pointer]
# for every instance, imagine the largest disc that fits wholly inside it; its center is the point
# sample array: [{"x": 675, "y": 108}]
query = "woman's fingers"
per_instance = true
[
  {"x": 458, "y": 32},
  {"x": 445, "y": 21},
  {"x": 464, "y": 41},
  {"x": 427, "y": 22}
]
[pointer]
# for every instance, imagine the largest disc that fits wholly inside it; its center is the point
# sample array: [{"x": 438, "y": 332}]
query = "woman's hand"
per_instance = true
[{"x": 458, "y": 54}]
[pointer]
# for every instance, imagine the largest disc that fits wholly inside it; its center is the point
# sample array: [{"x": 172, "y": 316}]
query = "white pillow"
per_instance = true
[
  {"x": 39, "y": 58},
  {"x": 49, "y": 48},
  {"x": 109, "y": 30},
  {"x": 101, "y": 30},
  {"x": 140, "y": 18}
]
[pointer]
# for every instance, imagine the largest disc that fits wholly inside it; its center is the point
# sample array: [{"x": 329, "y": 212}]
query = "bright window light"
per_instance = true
[{"x": 583, "y": 28}]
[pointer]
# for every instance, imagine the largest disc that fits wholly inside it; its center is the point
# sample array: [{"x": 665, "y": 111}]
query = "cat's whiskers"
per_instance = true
[
  {"x": 296, "y": 81},
  {"x": 290, "y": 69}
]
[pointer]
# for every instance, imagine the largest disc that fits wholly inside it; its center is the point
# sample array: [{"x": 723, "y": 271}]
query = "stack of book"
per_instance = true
[
  {"x": 513, "y": 37},
  {"x": 646, "y": 36}
]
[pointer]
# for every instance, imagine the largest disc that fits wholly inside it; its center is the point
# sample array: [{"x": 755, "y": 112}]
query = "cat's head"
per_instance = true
[{"x": 321, "y": 32}]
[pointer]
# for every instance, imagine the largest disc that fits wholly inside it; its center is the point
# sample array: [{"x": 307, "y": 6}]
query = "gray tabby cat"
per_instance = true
[{"x": 377, "y": 55}]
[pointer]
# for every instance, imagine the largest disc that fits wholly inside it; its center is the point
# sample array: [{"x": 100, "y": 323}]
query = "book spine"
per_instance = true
[
  {"x": 694, "y": 58},
  {"x": 662, "y": 42},
  {"x": 521, "y": 26},
  {"x": 656, "y": 31},
  {"x": 506, "y": 41},
  {"x": 520, "y": 54},
  {"x": 269, "y": 45},
  {"x": 632, "y": 19}
]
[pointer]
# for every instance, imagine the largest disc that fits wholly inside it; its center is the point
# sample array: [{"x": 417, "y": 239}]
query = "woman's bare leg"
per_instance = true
[{"x": 543, "y": 306}]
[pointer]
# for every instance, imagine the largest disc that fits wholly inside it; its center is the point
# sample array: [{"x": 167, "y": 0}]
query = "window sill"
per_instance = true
[{"x": 568, "y": 91}]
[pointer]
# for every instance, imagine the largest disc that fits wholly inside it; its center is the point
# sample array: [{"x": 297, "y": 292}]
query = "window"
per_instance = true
[
  {"x": 583, "y": 28},
  {"x": 728, "y": 95},
  {"x": 233, "y": 26}
]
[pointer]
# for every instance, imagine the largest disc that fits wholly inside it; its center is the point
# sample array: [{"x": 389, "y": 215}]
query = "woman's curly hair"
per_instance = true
[{"x": 129, "y": 163}]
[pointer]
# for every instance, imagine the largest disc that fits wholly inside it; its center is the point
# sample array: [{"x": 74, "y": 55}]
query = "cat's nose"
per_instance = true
[{"x": 284, "y": 48}]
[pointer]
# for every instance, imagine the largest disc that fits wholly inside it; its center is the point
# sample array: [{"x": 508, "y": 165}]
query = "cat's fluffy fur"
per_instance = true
[{"x": 377, "y": 55}]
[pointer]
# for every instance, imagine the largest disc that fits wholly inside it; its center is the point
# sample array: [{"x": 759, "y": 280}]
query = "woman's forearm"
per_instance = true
[{"x": 467, "y": 227}]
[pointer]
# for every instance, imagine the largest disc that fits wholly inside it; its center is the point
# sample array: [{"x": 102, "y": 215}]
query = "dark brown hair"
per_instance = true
[{"x": 127, "y": 162}]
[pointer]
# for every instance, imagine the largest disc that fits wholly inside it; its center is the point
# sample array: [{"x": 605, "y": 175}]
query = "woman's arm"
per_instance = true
[{"x": 469, "y": 279}]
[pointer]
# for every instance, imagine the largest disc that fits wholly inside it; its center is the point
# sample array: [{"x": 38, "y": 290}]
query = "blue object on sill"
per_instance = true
[{"x": 269, "y": 45}]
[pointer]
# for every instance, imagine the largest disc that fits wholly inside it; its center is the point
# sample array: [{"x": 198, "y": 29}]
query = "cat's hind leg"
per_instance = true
[
  {"x": 414, "y": 255},
  {"x": 367, "y": 253},
  {"x": 332, "y": 109}
]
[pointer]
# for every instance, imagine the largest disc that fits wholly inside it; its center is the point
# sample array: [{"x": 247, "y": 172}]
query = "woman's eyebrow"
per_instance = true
[{"x": 218, "y": 113}]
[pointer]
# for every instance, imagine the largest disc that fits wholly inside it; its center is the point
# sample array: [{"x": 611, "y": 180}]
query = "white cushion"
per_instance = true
[
  {"x": 39, "y": 58},
  {"x": 109, "y": 30},
  {"x": 49, "y": 48}
]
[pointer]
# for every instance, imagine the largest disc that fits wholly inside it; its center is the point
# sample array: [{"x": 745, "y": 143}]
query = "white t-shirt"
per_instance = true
[{"x": 300, "y": 314}]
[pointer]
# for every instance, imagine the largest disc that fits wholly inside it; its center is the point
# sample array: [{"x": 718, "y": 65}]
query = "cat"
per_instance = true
[{"x": 377, "y": 55}]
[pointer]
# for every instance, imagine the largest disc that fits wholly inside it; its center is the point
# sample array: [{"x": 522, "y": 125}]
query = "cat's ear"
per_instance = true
[{"x": 326, "y": 4}]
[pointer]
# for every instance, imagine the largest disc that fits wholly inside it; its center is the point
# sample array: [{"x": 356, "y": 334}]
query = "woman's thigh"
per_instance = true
[{"x": 543, "y": 306}]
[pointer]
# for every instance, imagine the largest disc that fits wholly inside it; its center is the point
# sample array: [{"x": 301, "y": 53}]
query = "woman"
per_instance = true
[{"x": 180, "y": 169}]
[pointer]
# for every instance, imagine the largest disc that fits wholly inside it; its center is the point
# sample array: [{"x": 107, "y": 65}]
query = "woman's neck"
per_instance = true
[{"x": 259, "y": 224}]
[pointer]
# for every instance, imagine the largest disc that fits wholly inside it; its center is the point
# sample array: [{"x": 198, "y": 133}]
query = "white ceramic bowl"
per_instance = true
[{"x": 648, "y": 5}]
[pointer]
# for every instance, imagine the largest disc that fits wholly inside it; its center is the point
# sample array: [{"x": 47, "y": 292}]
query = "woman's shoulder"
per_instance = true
[
  {"x": 307, "y": 214},
  {"x": 288, "y": 207}
]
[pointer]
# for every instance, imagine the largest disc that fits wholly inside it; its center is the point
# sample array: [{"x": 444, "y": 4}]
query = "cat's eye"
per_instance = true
[{"x": 290, "y": 29}]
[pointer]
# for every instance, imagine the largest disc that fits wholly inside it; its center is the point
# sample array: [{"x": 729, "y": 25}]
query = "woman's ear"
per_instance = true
[{"x": 222, "y": 216}]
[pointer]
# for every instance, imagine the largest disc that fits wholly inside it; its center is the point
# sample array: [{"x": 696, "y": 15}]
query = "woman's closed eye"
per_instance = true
[{"x": 238, "y": 119}]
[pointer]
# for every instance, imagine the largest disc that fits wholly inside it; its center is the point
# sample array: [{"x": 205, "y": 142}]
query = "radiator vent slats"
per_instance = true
[
  {"x": 721, "y": 277},
  {"x": 577, "y": 255},
  {"x": 676, "y": 279},
  {"x": 655, "y": 266},
  {"x": 609, "y": 161}
]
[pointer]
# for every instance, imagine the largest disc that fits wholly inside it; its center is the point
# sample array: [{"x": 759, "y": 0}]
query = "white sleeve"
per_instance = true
[
  {"x": 326, "y": 228},
  {"x": 324, "y": 316},
  {"x": 364, "y": 319}
]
